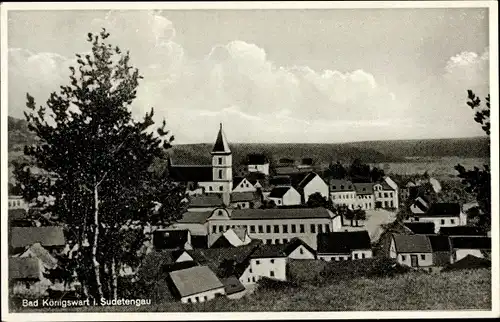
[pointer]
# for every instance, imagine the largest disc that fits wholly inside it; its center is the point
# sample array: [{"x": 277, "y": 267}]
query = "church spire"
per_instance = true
[{"x": 221, "y": 145}]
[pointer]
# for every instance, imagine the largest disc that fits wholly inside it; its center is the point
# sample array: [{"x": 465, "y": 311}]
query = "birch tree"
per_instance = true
[{"x": 94, "y": 161}]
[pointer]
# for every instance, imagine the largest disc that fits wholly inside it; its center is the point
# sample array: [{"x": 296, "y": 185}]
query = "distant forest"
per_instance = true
[{"x": 367, "y": 152}]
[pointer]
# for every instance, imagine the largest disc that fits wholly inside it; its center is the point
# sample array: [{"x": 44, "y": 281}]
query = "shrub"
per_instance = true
[{"x": 273, "y": 284}]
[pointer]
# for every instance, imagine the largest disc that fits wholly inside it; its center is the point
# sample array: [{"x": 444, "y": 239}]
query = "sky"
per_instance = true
[{"x": 284, "y": 76}]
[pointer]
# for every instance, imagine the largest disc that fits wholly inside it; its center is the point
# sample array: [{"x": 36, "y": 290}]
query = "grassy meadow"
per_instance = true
[{"x": 458, "y": 290}]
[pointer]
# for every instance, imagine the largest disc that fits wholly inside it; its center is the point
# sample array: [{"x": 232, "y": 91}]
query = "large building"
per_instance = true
[{"x": 214, "y": 178}]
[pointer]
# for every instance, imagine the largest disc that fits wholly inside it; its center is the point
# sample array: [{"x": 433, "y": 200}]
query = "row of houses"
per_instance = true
[{"x": 215, "y": 184}]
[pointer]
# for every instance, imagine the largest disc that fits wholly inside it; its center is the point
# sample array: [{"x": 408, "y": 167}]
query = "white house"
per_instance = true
[
  {"x": 196, "y": 284},
  {"x": 461, "y": 246},
  {"x": 276, "y": 226},
  {"x": 385, "y": 196},
  {"x": 342, "y": 192},
  {"x": 442, "y": 215},
  {"x": 268, "y": 261},
  {"x": 312, "y": 183},
  {"x": 411, "y": 250},
  {"x": 234, "y": 237},
  {"x": 348, "y": 245},
  {"x": 241, "y": 184},
  {"x": 17, "y": 202},
  {"x": 285, "y": 196},
  {"x": 364, "y": 194},
  {"x": 258, "y": 163}
]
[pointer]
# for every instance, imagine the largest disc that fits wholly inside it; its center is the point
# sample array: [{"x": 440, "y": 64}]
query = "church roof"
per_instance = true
[{"x": 221, "y": 145}]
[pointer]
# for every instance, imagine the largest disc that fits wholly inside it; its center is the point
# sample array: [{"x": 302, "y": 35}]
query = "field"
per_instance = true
[{"x": 459, "y": 290}]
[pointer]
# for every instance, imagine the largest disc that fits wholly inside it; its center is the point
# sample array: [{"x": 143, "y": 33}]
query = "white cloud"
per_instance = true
[{"x": 236, "y": 83}]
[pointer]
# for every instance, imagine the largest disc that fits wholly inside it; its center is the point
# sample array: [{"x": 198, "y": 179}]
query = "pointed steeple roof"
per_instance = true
[{"x": 221, "y": 145}]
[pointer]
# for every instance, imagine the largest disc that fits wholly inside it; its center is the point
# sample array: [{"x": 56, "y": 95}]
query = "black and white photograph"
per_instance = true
[{"x": 249, "y": 160}]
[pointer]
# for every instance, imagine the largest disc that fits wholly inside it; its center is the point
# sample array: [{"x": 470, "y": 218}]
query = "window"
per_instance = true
[
  {"x": 320, "y": 228},
  {"x": 385, "y": 194},
  {"x": 206, "y": 298},
  {"x": 380, "y": 194},
  {"x": 334, "y": 187},
  {"x": 227, "y": 227},
  {"x": 442, "y": 221},
  {"x": 285, "y": 229},
  {"x": 257, "y": 262},
  {"x": 333, "y": 197},
  {"x": 327, "y": 228},
  {"x": 301, "y": 251},
  {"x": 220, "y": 160},
  {"x": 214, "y": 229},
  {"x": 285, "y": 240},
  {"x": 294, "y": 229},
  {"x": 276, "y": 241},
  {"x": 417, "y": 219},
  {"x": 252, "y": 229},
  {"x": 221, "y": 188},
  {"x": 210, "y": 188},
  {"x": 249, "y": 280},
  {"x": 452, "y": 221},
  {"x": 268, "y": 229},
  {"x": 342, "y": 187},
  {"x": 220, "y": 174},
  {"x": 271, "y": 273},
  {"x": 403, "y": 257},
  {"x": 261, "y": 229},
  {"x": 276, "y": 229},
  {"x": 197, "y": 299},
  {"x": 250, "y": 270},
  {"x": 279, "y": 201},
  {"x": 422, "y": 257},
  {"x": 302, "y": 228},
  {"x": 390, "y": 194},
  {"x": 269, "y": 241},
  {"x": 221, "y": 229},
  {"x": 363, "y": 255},
  {"x": 189, "y": 300},
  {"x": 253, "y": 279},
  {"x": 272, "y": 261},
  {"x": 355, "y": 256},
  {"x": 313, "y": 228}
]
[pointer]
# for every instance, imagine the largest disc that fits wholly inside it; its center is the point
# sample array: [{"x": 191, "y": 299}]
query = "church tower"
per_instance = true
[{"x": 222, "y": 166}]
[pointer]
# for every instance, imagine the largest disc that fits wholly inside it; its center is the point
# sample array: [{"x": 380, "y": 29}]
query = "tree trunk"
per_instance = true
[
  {"x": 95, "y": 244},
  {"x": 114, "y": 278}
]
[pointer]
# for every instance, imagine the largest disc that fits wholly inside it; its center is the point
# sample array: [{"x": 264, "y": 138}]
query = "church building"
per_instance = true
[{"x": 214, "y": 178}]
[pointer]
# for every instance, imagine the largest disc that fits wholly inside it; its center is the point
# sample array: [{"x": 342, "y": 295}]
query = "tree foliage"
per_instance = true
[
  {"x": 94, "y": 162},
  {"x": 478, "y": 181},
  {"x": 317, "y": 200}
]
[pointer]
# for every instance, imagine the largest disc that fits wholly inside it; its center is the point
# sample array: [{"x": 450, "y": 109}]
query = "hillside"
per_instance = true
[
  {"x": 369, "y": 152},
  {"x": 459, "y": 290}
]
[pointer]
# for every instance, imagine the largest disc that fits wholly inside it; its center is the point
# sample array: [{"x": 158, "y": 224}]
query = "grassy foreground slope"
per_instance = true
[{"x": 459, "y": 290}]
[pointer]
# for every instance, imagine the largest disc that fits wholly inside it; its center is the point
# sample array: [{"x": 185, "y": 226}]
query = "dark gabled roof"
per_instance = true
[
  {"x": 279, "y": 213},
  {"x": 421, "y": 227},
  {"x": 171, "y": 267},
  {"x": 337, "y": 185},
  {"x": 460, "y": 231},
  {"x": 279, "y": 192},
  {"x": 194, "y": 280},
  {"x": 412, "y": 243},
  {"x": 418, "y": 203},
  {"x": 243, "y": 196},
  {"x": 17, "y": 214},
  {"x": 232, "y": 285},
  {"x": 280, "y": 181},
  {"x": 195, "y": 217},
  {"x": 363, "y": 188},
  {"x": 343, "y": 242},
  {"x": 207, "y": 200},
  {"x": 269, "y": 251},
  {"x": 471, "y": 242},
  {"x": 296, "y": 242},
  {"x": 221, "y": 145},
  {"x": 468, "y": 262},
  {"x": 439, "y": 243},
  {"x": 186, "y": 173},
  {"x": 443, "y": 210},
  {"x": 256, "y": 159},
  {"x": 47, "y": 236},
  {"x": 170, "y": 238},
  {"x": 306, "y": 179},
  {"x": 24, "y": 268},
  {"x": 237, "y": 181}
]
